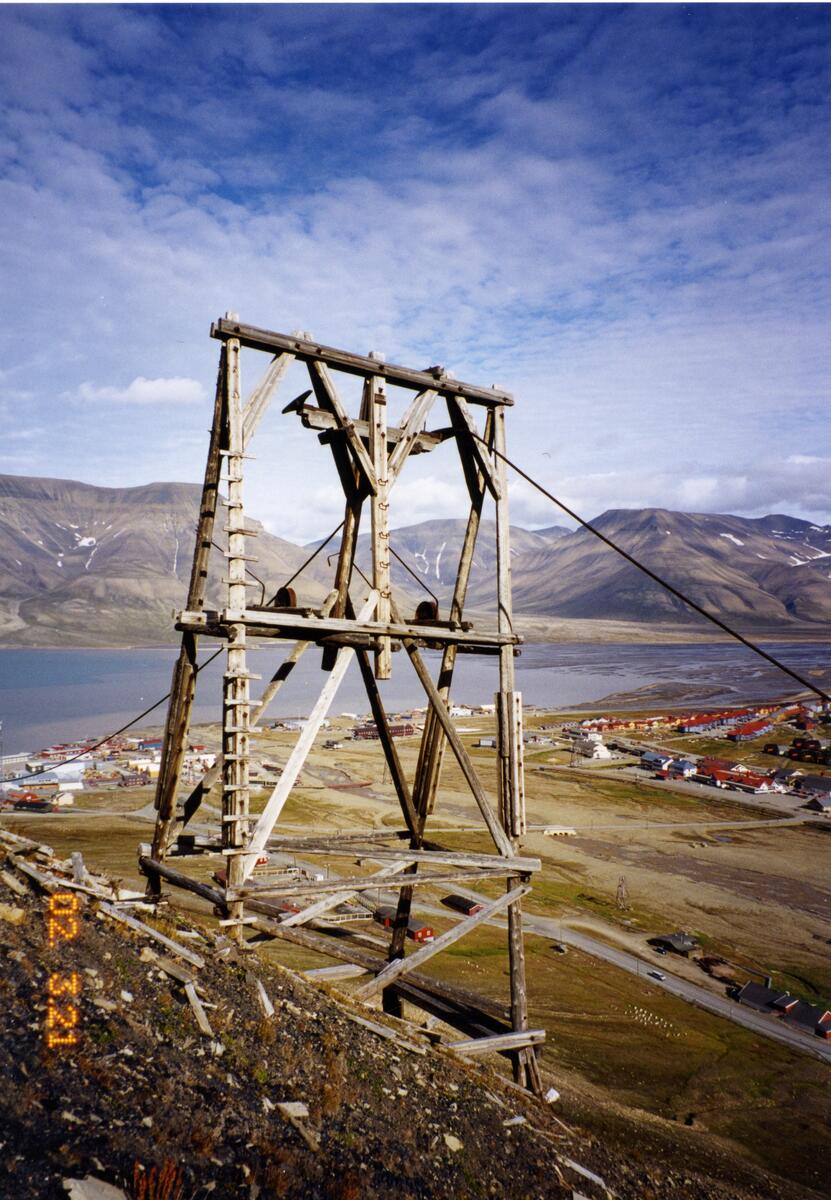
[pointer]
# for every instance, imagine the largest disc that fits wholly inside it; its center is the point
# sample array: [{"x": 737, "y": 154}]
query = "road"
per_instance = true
[{"x": 767, "y": 1026}]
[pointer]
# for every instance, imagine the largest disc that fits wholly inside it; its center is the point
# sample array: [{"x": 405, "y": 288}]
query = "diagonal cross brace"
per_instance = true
[
  {"x": 274, "y": 806},
  {"x": 400, "y": 965}
]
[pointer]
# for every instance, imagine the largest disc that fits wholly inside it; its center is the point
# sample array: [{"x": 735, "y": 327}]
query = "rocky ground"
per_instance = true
[{"x": 303, "y": 1101}]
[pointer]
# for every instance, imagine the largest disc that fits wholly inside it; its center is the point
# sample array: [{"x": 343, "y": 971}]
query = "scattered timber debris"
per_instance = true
[{"x": 242, "y": 1080}]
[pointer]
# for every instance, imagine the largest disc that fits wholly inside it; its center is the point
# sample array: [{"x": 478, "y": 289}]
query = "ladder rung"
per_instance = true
[
  {"x": 236, "y": 454},
  {"x": 236, "y": 529},
  {"x": 236, "y": 729},
  {"x": 232, "y": 819},
  {"x": 235, "y": 787},
  {"x": 236, "y": 921},
  {"x": 235, "y": 757},
  {"x": 241, "y": 675},
  {"x": 244, "y": 582},
  {"x": 240, "y": 557}
]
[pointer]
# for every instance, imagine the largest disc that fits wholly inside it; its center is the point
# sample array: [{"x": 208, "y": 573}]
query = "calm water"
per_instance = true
[{"x": 56, "y": 695}]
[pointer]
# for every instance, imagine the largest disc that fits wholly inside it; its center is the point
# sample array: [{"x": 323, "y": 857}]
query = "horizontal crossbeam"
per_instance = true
[
  {"x": 356, "y": 364},
  {"x": 317, "y": 418},
  {"x": 361, "y": 883},
  {"x": 311, "y": 629}
]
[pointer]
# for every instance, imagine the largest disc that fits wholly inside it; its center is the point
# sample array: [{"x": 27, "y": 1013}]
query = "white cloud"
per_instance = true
[{"x": 146, "y": 391}]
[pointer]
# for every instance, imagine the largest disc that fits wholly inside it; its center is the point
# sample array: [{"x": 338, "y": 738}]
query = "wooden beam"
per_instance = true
[
  {"x": 355, "y": 364},
  {"x": 150, "y": 866},
  {"x": 348, "y": 951},
  {"x": 260, "y": 398},
  {"x": 341, "y": 971},
  {"x": 439, "y": 707},
  {"x": 189, "y": 956},
  {"x": 328, "y": 397},
  {"x": 328, "y": 902},
  {"x": 463, "y": 421},
  {"x": 183, "y": 686},
  {"x": 359, "y": 883},
  {"x": 497, "y": 1043},
  {"x": 400, "y": 966},
  {"x": 452, "y": 858},
  {"x": 414, "y": 418},
  {"x": 274, "y": 805},
  {"x": 310, "y": 629},
  {"x": 325, "y": 422},
  {"x": 376, "y": 400}
]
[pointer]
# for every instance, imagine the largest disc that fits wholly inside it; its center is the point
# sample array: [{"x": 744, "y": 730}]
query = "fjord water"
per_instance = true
[{"x": 49, "y": 696}]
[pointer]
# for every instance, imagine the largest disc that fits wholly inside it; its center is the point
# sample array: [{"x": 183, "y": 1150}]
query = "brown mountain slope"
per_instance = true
[{"x": 83, "y": 565}]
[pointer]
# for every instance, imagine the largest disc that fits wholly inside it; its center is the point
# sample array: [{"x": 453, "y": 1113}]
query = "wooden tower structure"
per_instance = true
[{"x": 369, "y": 456}]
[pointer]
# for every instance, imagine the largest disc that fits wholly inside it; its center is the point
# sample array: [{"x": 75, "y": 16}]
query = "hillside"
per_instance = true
[
  {"x": 85, "y": 566},
  {"x": 367, "y": 1115}
]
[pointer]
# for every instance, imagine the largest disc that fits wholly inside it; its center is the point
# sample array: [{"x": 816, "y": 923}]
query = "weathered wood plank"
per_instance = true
[
  {"x": 328, "y": 902},
  {"x": 260, "y": 398},
  {"x": 196, "y": 960},
  {"x": 376, "y": 397},
  {"x": 359, "y": 883},
  {"x": 328, "y": 397},
  {"x": 497, "y": 1043},
  {"x": 414, "y": 418},
  {"x": 318, "y": 418},
  {"x": 310, "y": 628},
  {"x": 341, "y": 971},
  {"x": 198, "y": 1011},
  {"x": 355, "y": 364}
]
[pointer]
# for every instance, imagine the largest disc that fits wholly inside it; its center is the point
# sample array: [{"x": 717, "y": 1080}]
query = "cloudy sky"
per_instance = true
[{"x": 619, "y": 213}]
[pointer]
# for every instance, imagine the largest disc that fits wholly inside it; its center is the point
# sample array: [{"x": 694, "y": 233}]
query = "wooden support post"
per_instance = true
[
  {"x": 183, "y": 687},
  {"x": 376, "y": 396},
  {"x": 236, "y": 692},
  {"x": 526, "y": 1070}
]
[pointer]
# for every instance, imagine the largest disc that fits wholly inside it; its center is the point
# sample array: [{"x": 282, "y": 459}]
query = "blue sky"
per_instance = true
[{"x": 620, "y": 213}]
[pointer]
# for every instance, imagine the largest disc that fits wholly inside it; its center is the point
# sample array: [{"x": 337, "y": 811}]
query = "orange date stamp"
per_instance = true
[{"x": 62, "y": 989}]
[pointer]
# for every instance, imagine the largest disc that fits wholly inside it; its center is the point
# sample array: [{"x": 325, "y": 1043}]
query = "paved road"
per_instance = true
[{"x": 767, "y": 1026}]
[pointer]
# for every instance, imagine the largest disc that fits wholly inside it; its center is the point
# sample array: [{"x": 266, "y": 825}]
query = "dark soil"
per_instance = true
[{"x": 143, "y": 1089}]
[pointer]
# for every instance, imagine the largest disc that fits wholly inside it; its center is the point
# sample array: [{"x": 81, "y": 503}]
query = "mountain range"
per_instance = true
[{"x": 83, "y": 565}]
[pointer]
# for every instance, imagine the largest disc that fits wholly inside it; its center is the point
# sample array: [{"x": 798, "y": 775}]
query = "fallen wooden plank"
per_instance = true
[
  {"x": 262, "y": 995},
  {"x": 384, "y": 1031},
  {"x": 195, "y": 960},
  {"x": 498, "y": 1043},
  {"x": 198, "y": 1011},
  {"x": 340, "y": 971},
  {"x": 19, "y": 844},
  {"x": 173, "y": 969},
  {"x": 13, "y": 884},
  {"x": 45, "y": 881}
]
